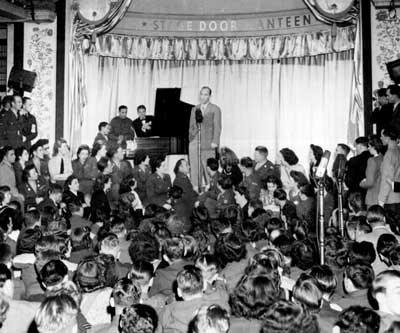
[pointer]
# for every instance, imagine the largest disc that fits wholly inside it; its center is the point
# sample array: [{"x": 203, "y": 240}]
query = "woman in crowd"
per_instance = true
[
  {"x": 372, "y": 179},
  {"x": 60, "y": 165},
  {"x": 84, "y": 170},
  {"x": 21, "y": 159},
  {"x": 159, "y": 182},
  {"x": 141, "y": 172},
  {"x": 72, "y": 195},
  {"x": 33, "y": 190},
  {"x": 269, "y": 185},
  {"x": 230, "y": 165},
  {"x": 182, "y": 180},
  {"x": 288, "y": 161},
  {"x": 99, "y": 204},
  {"x": 315, "y": 155}
]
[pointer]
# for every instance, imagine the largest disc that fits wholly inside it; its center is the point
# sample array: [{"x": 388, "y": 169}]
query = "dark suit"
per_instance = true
[
  {"x": 29, "y": 128},
  {"x": 138, "y": 124},
  {"x": 11, "y": 130},
  {"x": 395, "y": 120},
  {"x": 382, "y": 116},
  {"x": 356, "y": 168}
]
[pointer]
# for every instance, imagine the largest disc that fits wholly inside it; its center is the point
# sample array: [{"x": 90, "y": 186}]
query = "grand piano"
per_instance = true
[{"x": 171, "y": 125}]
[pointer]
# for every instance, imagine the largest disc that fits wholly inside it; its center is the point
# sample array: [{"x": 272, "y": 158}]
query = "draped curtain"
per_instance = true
[{"x": 289, "y": 102}]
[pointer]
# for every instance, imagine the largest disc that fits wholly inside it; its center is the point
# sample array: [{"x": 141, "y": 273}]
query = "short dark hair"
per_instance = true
[
  {"x": 325, "y": 277},
  {"x": 356, "y": 201},
  {"x": 376, "y": 214},
  {"x": 31, "y": 217},
  {"x": 156, "y": 161},
  {"x": 394, "y": 256},
  {"x": 5, "y": 253},
  {"x": 375, "y": 142},
  {"x": 144, "y": 247},
  {"x": 262, "y": 150},
  {"x": 140, "y": 156},
  {"x": 208, "y": 88},
  {"x": 362, "y": 251},
  {"x": 382, "y": 92},
  {"x": 289, "y": 156},
  {"x": 6, "y": 100},
  {"x": 230, "y": 248},
  {"x": 213, "y": 164},
  {"x": 141, "y": 107},
  {"x": 246, "y": 162},
  {"x": 306, "y": 292},
  {"x": 345, "y": 147},
  {"x": 225, "y": 182},
  {"x": 394, "y": 89},
  {"x": 138, "y": 318},
  {"x": 53, "y": 273},
  {"x": 308, "y": 190},
  {"x": 386, "y": 243},
  {"x": 361, "y": 274},
  {"x": 190, "y": 280},
  {"x": 55, "y": 188},
  {"x": 304, "y": 255},
  {"x": 362, "y": 140},
  {"x": 122, "y": 107},
  {"x": 391, "y": 133},
  {"x": 102, "y": 125},
  {"x": 359, "y": 319},
  {"x": 28, "y": 168},
  {"x": 100, "y": 181}
]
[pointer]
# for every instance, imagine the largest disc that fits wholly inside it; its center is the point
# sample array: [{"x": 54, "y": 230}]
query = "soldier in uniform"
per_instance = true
[
  {"x": 264, "y": 167},
  {"x": 227, "y": 196},
  {"x": 28, "y": 123},
  {"x": 121, "y": 128},
  {"x": 33, "y": 190},
  {"x": 141, "y": 173},
  {"x": 121, "y": 169},
  {"x": 11, "y": 133},
  {"x": 250, "y": 180}
]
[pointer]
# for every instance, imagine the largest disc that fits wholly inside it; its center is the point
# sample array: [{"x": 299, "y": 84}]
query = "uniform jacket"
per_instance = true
[
  {"x": 11, "y": 129},
  {"x": 30, "y": 194},
  {"x": 122, "y": 127},
  {"x": 157, "y": 188},
  {"x": 210, "y": 128},
  {"x": 265, "y": 170},
  {"x": 29, "y": 128}
]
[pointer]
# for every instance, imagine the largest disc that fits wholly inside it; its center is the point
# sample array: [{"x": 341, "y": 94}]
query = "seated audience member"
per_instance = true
[
  {"x": 363, "y": 251},
  {"x": 121, "y": 169},
  {"x": 307, "y": 206},
  {"x": 81, "y": 245},
  {"x": 181, "y": 208},
  {"x": 229, "y": 164},
  {"x": 104, "y": 165},
  {"x": 7, "y": 173},
  {"x": 138, "y": 318},
  {"x": 182, "y": 180},
  {"x": 372, "y": 180},
  {"x": 385, "y": 290},
  {"x": 211, "y": 271},
  {"x": 76, "y": 220},
  {"x": 99, "y": 202},
  {"x": 32, "y": 188},
  {"x": 210, "y": 319},
  {"x": 358, "y": 278},
  {"x": 159, "y": 182},
  {"x": 287, "y": 317},
  {"x": 190, "y": 286},
  {"x": 73, "y": 195},
  {"x": 142, "y": 273},
  {"x": 102, "y": 135},
  {"x": 57, "y": 314},
  {"x": 99, "y": 151},
  {"x": 356, "y": 204},
  {"x": 164, "y": 278},
  {"x": 250, "y": 179},
  {"x": 357, "y": 227},
  {"x": 358, "y": 318},
  {"x": 31, "y": 232},
  {"x": 252, "y": 298},
  {"x": 288, "y": 161},
  {"x": 21, "y": 160},
  {"x": 386, "y": 244},
  {"x": 60, "y": 166},
  {"x": 125, "y": 294},
  {"x": 145, "y": 247},
  {"x": 53, "y": 199},
  {"x": 117, "y": 227},
  {"x": 90, "y": 277},
  {"x": 40, "y": 158},
  {"x": 231, "y": 253},
  {"x": 268, "y": 187},
  {"x": 141, "y": 173},
  {"x": 226, "y": 197},
  {"x": 288, "y": 208},
  {"x": 376, "y": 218},
  {"x": 263, "y": 167},
  {"x": 326, "y": 283},
  {"x": 84, "y": 169},
  {"x": 394, "y": 258},
  {"x": 304, "y": 256}
]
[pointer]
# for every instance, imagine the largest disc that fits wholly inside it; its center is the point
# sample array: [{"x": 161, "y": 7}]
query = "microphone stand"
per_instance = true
[
  {"x": 199, "y": 175},
  {"x": 340, "y": 205},
  {"x": 321, "y": 220}
]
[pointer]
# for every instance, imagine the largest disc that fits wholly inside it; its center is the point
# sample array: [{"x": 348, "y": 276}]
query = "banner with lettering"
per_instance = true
[{"x": 266, "y": 24}]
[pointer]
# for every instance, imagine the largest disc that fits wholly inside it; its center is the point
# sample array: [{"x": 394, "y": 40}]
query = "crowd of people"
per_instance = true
[{"x": 96, "y": 244}]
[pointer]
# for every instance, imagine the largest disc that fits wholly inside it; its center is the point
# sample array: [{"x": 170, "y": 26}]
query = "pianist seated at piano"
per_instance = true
[{"x": 143, "y": 125}]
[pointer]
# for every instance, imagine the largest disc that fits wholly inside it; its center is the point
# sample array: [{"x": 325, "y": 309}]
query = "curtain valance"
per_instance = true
[{"x": 251, "y": 48}]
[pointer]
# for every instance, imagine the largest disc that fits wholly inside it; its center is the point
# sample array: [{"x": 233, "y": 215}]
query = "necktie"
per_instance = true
[{"x": 62, "y": 166}]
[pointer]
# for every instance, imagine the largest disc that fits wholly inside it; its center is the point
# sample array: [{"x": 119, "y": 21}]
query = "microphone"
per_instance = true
[
  {"x": 199, "y": 116},
  {"x": 341, "y": 168},
  {"x": 321, "y": 170}
]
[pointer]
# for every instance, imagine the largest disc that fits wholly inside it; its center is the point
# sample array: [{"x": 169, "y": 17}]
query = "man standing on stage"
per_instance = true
[
  {"x": 210, "y": 135},
  {"x": 121, "y": 127}
]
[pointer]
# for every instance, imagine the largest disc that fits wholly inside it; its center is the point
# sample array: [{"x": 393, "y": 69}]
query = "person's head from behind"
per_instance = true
[
  {"x": 224, "y": 183},
  {"x": 303, "y": 255},
  {"x": 287, "y": 157},
  {"x": 209, "y": 266},
  {"x": 361, "y": 144},
  {"x": 229, "y": 248},
  {"x": 375, "y": 145},
  {"x": 110, "y": 245},
  {"x": 140, "y": 318},
  {"x": 325, "y": 278},
  {"x": 104, "y": 165},
  {"x": 6, "y": 255},
  {"x": 386, "y": 290},
  {"x": 288, "y": 317},
  {"x": 394, "y": 257},
  {"x": 142, "y": 272},
  {"x": 376, "y": 216},
  {"x": 90, "y": 275},
  {"x": 306, "y": 192},
  {"x": 307, "y": 293},
  {"x": 123, "y": 111},
  {"x": 280, "y": 197},
  {"x": 363, "y": 251},
  {"x": 57, "y": 314},
  {"x": 144, "y": 247},
  {"x": 246, "y": 164},
  {"x": 190, "y": 282},
  {"x": 356, "y": 202},
  {"x": 6, "y": 102},
  {"x": 357, "y": 226},
  {"x": 205, "y": 95},
  {"x": 359, "y": 275},
  {"x": 210, "y": 319},
  {"x": 32, "y": 219},
  {"x": 389, "y": 135},
  {"x": 260, "y": 154},
  {"x": 6, "y": 281},
  {"x": 385, "y": 245},
  {"x": 212, "y": 166},
  {"x": 173, "y": 249},
  {"x": 53, "y": 274},
  {"x": 315, "y": 154},
  {"x": 358, "y": 319},
  {"x": 125, "y": 293}
]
